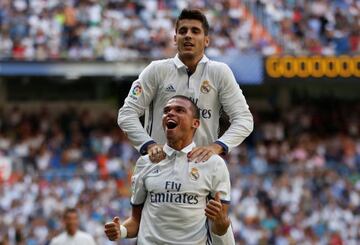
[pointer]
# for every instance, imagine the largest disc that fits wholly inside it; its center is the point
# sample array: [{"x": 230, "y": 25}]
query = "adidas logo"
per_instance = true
[
  {"x": 170, "y": 88},
  {"x": 155, "y": 171}
]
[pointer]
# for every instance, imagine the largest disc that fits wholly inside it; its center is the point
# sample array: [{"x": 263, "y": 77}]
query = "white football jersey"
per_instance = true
[
  {"x": 211, "y": 87},
  {"x": 174, "y": 193},
  {"x": 80, "y": 238}
]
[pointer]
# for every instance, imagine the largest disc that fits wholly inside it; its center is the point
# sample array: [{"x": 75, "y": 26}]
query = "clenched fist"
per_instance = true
[{"x": 112, "y": 229}]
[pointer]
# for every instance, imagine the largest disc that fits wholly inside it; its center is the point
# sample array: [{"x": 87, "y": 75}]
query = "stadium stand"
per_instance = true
[
  {"x": 322, "y": 27},
  {"x": 126, "y": 30}
]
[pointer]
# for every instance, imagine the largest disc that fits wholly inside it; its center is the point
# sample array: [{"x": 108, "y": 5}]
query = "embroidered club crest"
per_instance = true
[
  {"x": 194, "y": 174},
  {"x": 205, "y": 87}
]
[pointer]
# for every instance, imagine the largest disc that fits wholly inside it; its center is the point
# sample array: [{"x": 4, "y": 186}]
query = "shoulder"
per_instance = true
[
  {"x": 58, "y": 239},
  {"x": 143, "y": 161},
  {"x": 216, "y": 162},
  {"x": 143, "y": 166},
  {"x": 84, "y": 235},
  {"x": 218, "y": 69},
  {"x": 163, "y": 61},
  {"x": 217, "y": 65},
  {"x": 158, "y": 68},
  {"x": 162, "y": 65}
]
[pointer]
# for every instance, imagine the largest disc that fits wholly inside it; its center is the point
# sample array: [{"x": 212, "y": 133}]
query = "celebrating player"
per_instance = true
[
  {"x": 210, "y": 85},
  {"x": 170, "y": 198}
]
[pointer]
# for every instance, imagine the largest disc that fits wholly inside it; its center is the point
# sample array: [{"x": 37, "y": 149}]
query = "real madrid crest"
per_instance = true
[
  {"x": 194, "y": 174},
  {"x": 205, "y": 87}
]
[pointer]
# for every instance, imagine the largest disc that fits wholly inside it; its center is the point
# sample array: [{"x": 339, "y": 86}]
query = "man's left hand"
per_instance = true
[
  {"x": 203, "y": 153},
  {"x": 217, "y": 213}
]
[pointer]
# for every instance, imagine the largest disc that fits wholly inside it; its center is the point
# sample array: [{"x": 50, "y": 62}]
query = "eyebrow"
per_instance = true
[
  {"x": 175, "y": 106},
  {"x": 191, "y": 27}
]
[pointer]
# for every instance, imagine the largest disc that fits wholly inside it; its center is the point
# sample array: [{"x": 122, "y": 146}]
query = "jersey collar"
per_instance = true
[
  {"x": 170, "y": 151},
  {"x": 180, "y": 64}
]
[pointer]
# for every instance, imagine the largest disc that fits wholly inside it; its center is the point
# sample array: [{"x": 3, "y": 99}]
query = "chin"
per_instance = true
[
  {"x": 171, "y": 136},
  {"x": 189, "y": 54}
]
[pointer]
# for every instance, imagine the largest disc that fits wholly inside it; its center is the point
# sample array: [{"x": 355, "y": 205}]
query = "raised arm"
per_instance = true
[
  {"x": 241, "y": 121},
  {"x": 235, "y": 106},
  {"x": 138, "y": 100}
]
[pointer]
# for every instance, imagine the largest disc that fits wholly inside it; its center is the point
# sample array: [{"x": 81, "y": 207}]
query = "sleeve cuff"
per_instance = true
[
  {"x": 221, "y": 200},
  {"x": 137, "y": 205},
  {"x": 225, "y": 147},
  {"x": 143, "y": 149}
]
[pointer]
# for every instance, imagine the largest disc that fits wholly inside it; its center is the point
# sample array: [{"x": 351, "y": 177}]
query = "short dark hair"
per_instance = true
[
  {"x": 195, "y": 109},
  {"x": 193, "y": 14},
  {"x": 69, "y": 210}
]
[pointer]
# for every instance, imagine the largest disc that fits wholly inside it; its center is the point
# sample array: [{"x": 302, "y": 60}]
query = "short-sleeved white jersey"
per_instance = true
[
  {"x": 174, "y": 193},
  {"x": 212, "y": 86}
]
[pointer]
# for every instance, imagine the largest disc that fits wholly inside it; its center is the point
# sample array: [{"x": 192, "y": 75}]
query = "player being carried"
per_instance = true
[
  {"x": 210, "y": 85},
  {"x": 171, "y": 199}
]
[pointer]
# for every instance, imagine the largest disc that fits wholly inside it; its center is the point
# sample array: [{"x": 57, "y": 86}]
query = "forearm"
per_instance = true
[
  {"x": 128, "y": 121},
  {"x": 132, "y": 225},
  {"x": 225, "y": 239},
  {"x": 217, "y": 148},
  {"x": 236, "y": 107},
  {"x": 242, "y": 125},
  {"x": 220, "y": 228}
]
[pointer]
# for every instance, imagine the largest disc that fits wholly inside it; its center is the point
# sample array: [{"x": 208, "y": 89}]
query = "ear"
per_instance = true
[
  {"x": 207, "y": 41},
  {"x": 195, "y": 123},
  {"x": 175, "y": 40}
]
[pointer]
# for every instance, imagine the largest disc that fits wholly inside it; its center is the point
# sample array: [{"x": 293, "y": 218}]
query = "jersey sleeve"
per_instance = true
[
  {"x": 220, "y": 180},
  {"x": 139, "y": 192},
  {"x": 235, "y": 106},
  {"x": 139, "y": 98}
]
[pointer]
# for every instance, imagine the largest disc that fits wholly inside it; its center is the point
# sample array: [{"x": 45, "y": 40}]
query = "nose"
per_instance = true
[
  {"x": 170, "y": 112},
  {"x": 188, "y": 34}
]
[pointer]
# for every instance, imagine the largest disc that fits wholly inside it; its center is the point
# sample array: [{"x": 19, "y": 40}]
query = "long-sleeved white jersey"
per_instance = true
[{"x": 212, "y": 86}]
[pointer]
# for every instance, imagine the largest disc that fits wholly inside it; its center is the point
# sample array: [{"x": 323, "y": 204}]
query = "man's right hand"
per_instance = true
[
  {"x": 156, "y": 153},
  {"x": 112, "y": 229}
]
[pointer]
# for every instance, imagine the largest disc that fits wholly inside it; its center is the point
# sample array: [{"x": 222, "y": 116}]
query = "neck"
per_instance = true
[
  {"x": 191, "y": 62},
  {"x": 179, "y": 144},
  {"x": 71, "y": 233}
]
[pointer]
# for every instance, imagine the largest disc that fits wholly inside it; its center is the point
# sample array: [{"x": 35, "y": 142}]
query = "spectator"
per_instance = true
[{"x": 72, "y": 235}]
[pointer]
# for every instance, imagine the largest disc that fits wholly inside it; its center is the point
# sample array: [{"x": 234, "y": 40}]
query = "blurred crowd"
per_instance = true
[
  {"x": 296, "y": 179},
  {"x": 109, "y": 29},
  {"x": 118, "y": 30},
  {"x": 53, "y": 160},
  {"x": 321, "y": 27}
]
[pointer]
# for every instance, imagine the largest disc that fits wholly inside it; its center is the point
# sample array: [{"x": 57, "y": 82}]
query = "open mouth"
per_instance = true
[{"x": 171, "y": 124}]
